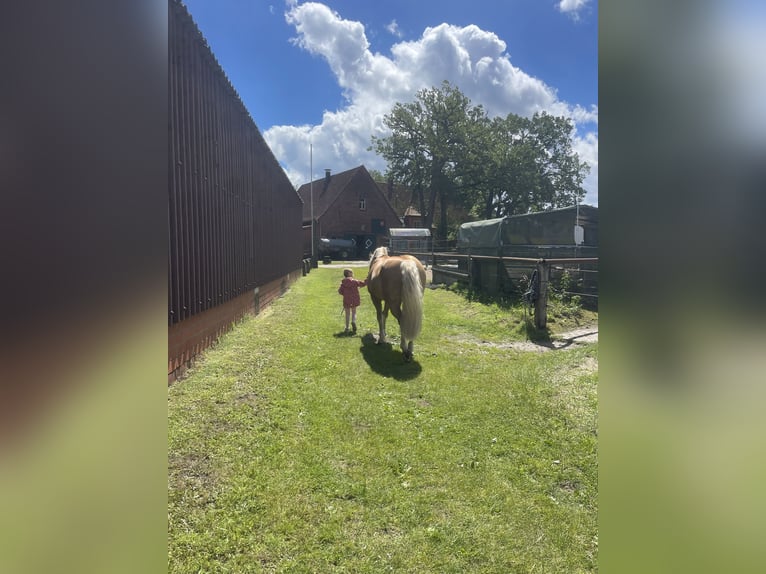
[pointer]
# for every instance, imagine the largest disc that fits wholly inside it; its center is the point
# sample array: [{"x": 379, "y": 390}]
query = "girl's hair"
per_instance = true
[{"x": 347, "y": 273}]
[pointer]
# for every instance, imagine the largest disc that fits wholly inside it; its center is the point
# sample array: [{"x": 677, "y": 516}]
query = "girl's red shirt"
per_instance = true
[{"x": 349, "y": 288}]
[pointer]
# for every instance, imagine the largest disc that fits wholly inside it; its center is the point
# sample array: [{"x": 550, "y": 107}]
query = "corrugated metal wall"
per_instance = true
[{"x": 234, "y": 217}]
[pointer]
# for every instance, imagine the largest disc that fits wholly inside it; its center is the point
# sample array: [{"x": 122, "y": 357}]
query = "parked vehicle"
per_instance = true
[{"x": 336, "y": 248}]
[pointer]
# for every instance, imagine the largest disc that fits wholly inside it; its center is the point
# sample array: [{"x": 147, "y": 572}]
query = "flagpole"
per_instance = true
[{"x": 311, "y": 188}]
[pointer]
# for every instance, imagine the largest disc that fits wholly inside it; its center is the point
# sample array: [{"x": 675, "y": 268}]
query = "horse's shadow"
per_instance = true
[{"x": 388, "y": 361}]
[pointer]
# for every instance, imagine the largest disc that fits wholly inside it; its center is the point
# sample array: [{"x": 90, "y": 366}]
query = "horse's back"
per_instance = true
[{"x": 386, "y": 276}]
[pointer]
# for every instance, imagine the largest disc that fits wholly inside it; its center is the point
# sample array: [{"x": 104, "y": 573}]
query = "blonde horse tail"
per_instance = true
[{"x": 412, "y": 301}]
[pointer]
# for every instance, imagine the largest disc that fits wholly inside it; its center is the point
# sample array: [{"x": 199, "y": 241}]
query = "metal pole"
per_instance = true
[
  {"x": 541, "y": 305},
  {"x": 311, "y": 191}
]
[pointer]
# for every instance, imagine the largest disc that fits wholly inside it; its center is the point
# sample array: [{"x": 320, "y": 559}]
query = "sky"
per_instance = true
[{"x": 318, "y": 77}]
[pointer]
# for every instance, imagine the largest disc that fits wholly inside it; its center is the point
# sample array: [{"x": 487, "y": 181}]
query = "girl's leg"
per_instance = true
[
  {"x": 348, "y": 312},
  {"x": 353, "y": 319}
]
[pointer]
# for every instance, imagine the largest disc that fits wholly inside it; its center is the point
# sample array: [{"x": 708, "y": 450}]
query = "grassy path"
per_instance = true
[{"x": 294, "y": 449}]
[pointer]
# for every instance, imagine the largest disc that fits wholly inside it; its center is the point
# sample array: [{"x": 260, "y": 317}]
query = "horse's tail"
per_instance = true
[{"x": 412, "y": 301}]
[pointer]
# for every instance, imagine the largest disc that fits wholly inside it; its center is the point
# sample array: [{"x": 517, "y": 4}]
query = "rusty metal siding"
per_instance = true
[{"x": 234, "y": 218}]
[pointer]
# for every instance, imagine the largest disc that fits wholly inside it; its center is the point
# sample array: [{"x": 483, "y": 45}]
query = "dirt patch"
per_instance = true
[
  {"x": 191, "y": 472},
  {"x": 589, "y": 365},
  {"x": 582, "y": 335},
  {"x": 569, "y": 339}
]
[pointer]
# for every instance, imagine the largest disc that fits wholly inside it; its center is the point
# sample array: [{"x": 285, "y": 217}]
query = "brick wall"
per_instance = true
[
  {"x": 344, "y": 216},
  {"x": 190, "y": 337}
]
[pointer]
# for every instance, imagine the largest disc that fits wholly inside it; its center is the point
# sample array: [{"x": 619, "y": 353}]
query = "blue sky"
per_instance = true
[{"x": 325, "y": 73}]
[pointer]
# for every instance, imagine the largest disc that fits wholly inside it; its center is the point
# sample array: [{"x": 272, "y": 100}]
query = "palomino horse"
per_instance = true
[{"x": 400, "y": 282}]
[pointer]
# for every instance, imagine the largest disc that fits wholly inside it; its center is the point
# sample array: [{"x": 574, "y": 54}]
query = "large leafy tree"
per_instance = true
[
  {"x": 530, "y": 166},
  {"x": 427, "y": 148},
  {"x": 454, "y": 157}
]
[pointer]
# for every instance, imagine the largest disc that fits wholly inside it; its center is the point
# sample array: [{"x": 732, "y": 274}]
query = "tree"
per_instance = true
[
  {"x": 427, "y": 147},
  {"x": 376, "y": 175},
  {"x": 454, "y": 157},
  {"x": 531, "y": 166}
]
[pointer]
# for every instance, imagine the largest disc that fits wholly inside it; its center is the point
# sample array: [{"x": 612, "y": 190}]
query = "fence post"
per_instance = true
[
  {"x": 470, "y": 275},
  {"x": 541, "y": 305}
]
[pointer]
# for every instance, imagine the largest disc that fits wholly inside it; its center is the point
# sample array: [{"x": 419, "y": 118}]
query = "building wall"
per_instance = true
[
  {"x": 345, "y": 219},
  {"x": 234, "y": 218},
  {"x": 189, "y": 338}
]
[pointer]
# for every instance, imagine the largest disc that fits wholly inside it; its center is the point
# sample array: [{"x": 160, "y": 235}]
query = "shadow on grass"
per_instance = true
[
  {"x": 537, "y": 336},
  {"x": 343, "y": 335},
  {"x": 387, "y": 360}
]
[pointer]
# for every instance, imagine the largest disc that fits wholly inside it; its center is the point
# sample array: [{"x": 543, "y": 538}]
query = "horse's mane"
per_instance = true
[{"x": 379, "y": 252}]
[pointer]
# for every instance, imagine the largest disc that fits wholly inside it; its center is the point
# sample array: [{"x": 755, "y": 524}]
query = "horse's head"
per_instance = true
[{"x": 379, "y": 252}]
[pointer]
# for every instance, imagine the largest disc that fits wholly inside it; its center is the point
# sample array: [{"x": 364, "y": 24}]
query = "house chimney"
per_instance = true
[{"x": 326, "y": 178}]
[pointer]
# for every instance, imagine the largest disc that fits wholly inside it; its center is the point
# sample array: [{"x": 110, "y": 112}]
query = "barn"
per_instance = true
[{"x": 348, "y": 205}]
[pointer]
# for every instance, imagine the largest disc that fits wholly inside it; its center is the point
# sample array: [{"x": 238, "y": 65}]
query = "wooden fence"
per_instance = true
[{"x": 532, "y": 279}]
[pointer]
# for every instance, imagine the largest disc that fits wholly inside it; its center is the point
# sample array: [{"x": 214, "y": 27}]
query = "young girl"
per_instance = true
[{"x": 349, "y": 288}]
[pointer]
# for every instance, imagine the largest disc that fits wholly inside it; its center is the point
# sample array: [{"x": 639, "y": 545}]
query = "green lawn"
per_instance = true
[{"x": 292, "y": 448}]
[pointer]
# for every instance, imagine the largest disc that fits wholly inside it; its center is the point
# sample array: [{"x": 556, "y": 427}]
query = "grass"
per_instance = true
[{"x": 293, "y": 448}]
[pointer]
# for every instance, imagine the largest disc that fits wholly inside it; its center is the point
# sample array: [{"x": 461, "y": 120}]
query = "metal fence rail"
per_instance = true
[
  {"x": 565, "y": 277},
  {"x": 234, "y": 218}
]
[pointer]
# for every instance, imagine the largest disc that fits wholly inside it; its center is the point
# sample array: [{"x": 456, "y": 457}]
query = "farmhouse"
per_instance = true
[{"x": 348, "y": 205}]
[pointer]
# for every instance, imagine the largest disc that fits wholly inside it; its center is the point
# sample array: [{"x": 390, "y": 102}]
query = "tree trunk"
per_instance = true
[
  {"x": 443, "y": 220},
  {"x": 431, "y": 206},
  {"x": 436, "y": 185}
]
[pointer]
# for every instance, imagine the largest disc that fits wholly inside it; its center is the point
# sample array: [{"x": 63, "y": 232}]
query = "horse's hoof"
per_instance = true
[{"x": 407, "y": 357}]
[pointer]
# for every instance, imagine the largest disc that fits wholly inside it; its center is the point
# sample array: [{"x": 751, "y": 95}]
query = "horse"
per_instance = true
[{"x": 399, "y": 281}]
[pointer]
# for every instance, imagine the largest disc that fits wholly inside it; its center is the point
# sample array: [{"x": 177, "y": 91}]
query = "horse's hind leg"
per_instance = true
[
  {"x": 410, "y": 351},
  {"x": 403, "y": 344},
  {"x": 383, "y": 316},
  {"x": 381, "y": 321},
  {"x": 407, "y": 347}
]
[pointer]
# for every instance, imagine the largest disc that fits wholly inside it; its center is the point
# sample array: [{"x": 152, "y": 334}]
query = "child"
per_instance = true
[{"x": 349, "y": 288}]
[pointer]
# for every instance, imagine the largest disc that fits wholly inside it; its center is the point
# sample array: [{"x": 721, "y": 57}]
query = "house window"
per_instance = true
[{"x": 362, "y": 204}]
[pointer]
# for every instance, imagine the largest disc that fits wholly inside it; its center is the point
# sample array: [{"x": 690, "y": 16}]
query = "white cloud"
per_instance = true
[
  {"x": 587, "y": 148},
  {"x": 393, "y": 29},
  {"x": 572, "y": 7},
  {"x": 468, "y": 57}
]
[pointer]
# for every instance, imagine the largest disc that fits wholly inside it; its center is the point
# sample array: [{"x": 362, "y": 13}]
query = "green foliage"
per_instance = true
[
  {"x": 530, "y": 166},
  {"x": 560, "y": 300},
  {"x": 565, "y": 311},
  {"x": 295, "y": 450},
  {"x": 427, "y": 149},
  {"x": 464, "y": 165},
  {"x": 376, "y": 175}
]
